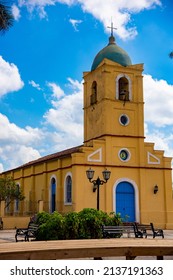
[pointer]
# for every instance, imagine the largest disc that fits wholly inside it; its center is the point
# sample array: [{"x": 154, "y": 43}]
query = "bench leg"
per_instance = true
[
  {"x": 159, "y": 257},
  {"x": 130, "y": 257}
]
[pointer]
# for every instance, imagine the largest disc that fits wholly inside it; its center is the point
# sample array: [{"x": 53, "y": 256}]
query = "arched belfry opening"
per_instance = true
[
  {"x": 123, "y": 89},
  {"x": 93, "y": 97}
]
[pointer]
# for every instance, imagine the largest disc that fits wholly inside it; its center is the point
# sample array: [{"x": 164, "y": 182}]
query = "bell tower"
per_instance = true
[{"x": 113, "y": 96}]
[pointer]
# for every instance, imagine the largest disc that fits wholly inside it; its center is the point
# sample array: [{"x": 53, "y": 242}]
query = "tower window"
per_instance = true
[
  {"x": 124, "y": 120},
  {"x": 123, "y": 89},
  {"x": 93, "y": 97}
]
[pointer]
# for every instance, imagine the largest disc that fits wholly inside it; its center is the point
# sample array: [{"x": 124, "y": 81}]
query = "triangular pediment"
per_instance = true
[
  {"x": 152, "y": 159},
  {"x": 95, "y": 156}
]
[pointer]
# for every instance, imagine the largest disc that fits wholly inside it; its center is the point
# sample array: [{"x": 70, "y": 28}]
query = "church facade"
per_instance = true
[{"x": 140, "y": 184}]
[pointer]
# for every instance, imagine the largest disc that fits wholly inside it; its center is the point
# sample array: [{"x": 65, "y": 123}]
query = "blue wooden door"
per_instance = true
[{"x": 125, "y": 201}]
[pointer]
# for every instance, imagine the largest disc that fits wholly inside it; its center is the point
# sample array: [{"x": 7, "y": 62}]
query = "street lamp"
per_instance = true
[{"x": 96, "y": 183}]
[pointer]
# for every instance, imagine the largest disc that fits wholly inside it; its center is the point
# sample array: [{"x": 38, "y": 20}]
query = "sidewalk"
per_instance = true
[{"x": 9, "y": 235}]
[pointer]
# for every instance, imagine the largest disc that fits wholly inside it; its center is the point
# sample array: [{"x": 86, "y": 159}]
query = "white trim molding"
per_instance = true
[
  {"x": 152, "y": 159},
  {"x": 130, "y": 85},
  {"x": 98, "y": 153}
]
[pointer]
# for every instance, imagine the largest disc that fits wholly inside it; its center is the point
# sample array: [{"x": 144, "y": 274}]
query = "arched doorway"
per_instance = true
[
  {"x": 53, "y": 195},
  {"x": 125, "y": 201}
]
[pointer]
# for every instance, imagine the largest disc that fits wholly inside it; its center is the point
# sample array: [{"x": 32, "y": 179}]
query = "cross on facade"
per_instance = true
[{"x": 112, "y": 28}]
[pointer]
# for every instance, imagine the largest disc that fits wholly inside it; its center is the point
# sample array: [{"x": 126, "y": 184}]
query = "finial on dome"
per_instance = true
[{"x": 112, "y": 38}]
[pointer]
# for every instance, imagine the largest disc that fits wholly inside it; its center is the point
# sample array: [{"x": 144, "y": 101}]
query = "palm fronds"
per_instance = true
[{"x": 6, "y": 18}]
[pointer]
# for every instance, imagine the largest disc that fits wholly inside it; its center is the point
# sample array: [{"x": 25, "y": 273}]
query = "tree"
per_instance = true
[
  {"x": 6, "y": 17},
  {"x": 171, "y": 54},
  {"x": 9, "y": 191}
]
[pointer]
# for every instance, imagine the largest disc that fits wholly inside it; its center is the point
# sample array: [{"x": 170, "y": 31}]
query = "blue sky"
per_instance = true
[{"x": 42, "y": 59}]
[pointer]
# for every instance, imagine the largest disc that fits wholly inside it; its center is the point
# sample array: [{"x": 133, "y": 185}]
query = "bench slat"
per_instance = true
[
  {"x": 86, "y": 248},
  {"x": 111, "y": 231}
]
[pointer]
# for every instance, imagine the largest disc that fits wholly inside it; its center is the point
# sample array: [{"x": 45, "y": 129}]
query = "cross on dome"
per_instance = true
[{"x": 112, "y": 28}]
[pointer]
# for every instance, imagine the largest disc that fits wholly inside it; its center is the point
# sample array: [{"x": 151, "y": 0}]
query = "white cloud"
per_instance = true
[
  {"x": 17, "y": 144},
  {"x": 119, "y": 11},
  {"x": 57, "y": 91},
  {"x": 15, "y": 12},
  {"x": 15, "y": 134},
  {"x": 10, "y": 79},
  {"x": 66, "y": 116},
  {"x": 75, "y": 23},
  {"x": 16, "y": 155},
  {"x": 158, "y": 95},
  {"x": 62, "y": 128},
  {"x": 35, "y": 85},
  {"x": 162, "y": 141}
]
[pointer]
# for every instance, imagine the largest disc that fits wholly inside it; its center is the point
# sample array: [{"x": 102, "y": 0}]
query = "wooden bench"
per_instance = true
[
  {"x": 26, "y": 233},
  {"x": 1, "y": 223},
  {"x": 86, "y": 248},
  {"x": 118, "y": 231},
  {"x": 149, "y": 230}
]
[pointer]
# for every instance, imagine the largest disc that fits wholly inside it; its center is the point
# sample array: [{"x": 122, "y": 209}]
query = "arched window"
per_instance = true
[
  {"x": 68, "y": 190},
  {"x": 53, "y": 195},
  {"x": 123, "y": 89},
  {"x": 93, "y": 97}
]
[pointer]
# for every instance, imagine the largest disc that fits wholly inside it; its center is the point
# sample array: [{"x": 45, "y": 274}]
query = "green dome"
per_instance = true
[{"x": 113, "y": 53}]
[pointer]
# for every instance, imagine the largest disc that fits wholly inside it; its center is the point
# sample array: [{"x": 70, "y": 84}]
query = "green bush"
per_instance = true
[
  {"x": 86, "y": 224},
  {"x": 71, "y": 225},
  {"x": 42, "y": 217},
  {"x": 90, "y": 223},
  {"x": 52, "y": 229}
]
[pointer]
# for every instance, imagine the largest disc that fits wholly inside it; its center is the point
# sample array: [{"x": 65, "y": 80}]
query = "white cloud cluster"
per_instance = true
[
  {"x": 66, "y": 115},
  {"x": 119, "y": 11},
  {"x": 63, "y": 126},
  {"x": 34, "y": 85},
  {"x": 158, "y": 101},
  {"x": 158, "y": 96},
  {"x": 16, "y": 144},
  {"x": 10, "y": 79},
  {"x": 57, "y": 91}
]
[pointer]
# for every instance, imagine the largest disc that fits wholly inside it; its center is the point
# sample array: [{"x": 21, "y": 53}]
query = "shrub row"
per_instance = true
[{"x": 85, "y": 224}]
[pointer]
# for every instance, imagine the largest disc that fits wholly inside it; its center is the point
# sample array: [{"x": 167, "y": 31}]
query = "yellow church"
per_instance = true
[{"x": 125, "y": 174}]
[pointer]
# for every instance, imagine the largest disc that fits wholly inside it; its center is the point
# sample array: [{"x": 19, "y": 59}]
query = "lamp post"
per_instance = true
[{"x": 98, "y": 182}]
